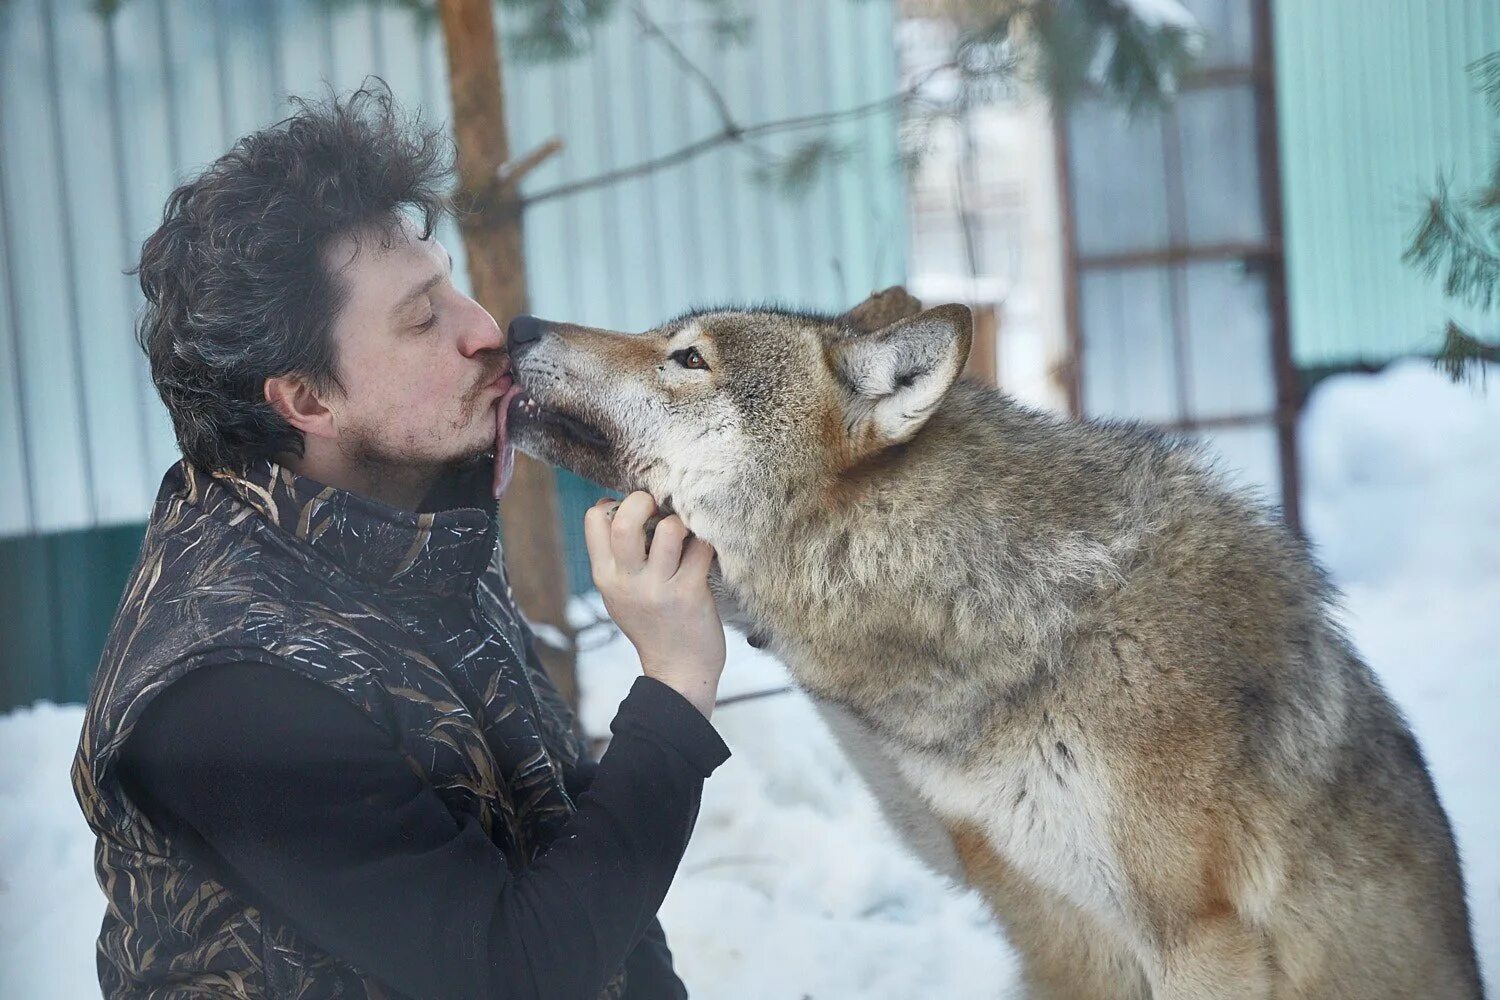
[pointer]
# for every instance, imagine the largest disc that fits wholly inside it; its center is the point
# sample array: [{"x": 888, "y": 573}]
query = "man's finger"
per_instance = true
[
  {"x": 596, "y": 536},
  {"x": 697, "y": 557},
  {"x": 627, "y": 532},
  {"x": 666, "y": 547}
]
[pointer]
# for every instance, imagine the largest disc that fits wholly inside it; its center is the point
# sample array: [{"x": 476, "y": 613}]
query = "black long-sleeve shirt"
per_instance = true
[{"x": 299, "y": 802}]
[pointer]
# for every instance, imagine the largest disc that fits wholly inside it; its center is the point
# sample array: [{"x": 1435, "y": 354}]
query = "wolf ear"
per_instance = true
[
  {"x": 896, "y": 375},
  {"x": 882, "y": 309}
]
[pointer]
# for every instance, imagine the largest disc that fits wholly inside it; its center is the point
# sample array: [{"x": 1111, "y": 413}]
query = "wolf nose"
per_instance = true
[{"x": 523, "y": 332}]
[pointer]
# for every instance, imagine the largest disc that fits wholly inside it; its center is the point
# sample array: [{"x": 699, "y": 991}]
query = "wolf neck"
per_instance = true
[{"x": 932, "y": 554}]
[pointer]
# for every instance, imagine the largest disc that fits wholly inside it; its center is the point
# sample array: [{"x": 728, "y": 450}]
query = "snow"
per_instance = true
[
  {"x": 1403, "y": 502},
  {"x": 1161, "y": 13},
  {"x": 50, "y": 905},
  {"x": 792, "y": 885}
]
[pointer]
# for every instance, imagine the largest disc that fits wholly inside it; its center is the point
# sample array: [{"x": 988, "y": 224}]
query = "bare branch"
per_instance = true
[
  {"x": 609, "y": 177},
  {"x": 753, "y": 695},
  {"x": 729, "y": 125},
  {"x": 512, "y": 172},
  {"x": 654, "y": 31},
  {"x": 723, "y": 136}
]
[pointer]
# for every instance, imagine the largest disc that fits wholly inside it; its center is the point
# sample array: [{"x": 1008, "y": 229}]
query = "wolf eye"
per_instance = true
[{"x": 689, "y": 357}]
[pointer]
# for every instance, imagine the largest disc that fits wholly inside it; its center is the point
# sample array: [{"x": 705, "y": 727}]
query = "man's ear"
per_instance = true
[
  {"x": 896, "y": 375},
  {"x": 300, "y": 405},
  {"x": 882, "y": 309}
]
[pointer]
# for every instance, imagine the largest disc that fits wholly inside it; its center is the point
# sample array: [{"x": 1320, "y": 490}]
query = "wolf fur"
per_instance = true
[{"x": 1083, "y": 673}]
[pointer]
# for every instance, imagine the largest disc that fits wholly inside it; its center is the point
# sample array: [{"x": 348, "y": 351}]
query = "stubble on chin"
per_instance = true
[{"x": 383, "y": 466}]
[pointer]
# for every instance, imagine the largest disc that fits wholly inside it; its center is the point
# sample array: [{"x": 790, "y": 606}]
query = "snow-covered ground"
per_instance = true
[{"x": 793, "y": 887}]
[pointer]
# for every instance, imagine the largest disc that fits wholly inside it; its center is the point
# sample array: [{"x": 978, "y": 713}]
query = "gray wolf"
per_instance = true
[{"x": 1084, "y": 674}]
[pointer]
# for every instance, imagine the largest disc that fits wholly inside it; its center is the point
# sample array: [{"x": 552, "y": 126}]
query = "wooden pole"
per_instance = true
[{"x": 490, "y": 221}]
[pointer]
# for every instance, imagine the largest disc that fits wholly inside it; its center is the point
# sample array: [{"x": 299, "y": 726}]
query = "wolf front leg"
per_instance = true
[
  {"x": 1066, "y": 953},
  {"x": 1218, "y": 957}
]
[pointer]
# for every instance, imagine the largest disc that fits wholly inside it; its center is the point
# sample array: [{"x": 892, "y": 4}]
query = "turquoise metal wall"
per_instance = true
[
  {"x": 1374, "y": 101},
  {"x": 100, "y": 118}
]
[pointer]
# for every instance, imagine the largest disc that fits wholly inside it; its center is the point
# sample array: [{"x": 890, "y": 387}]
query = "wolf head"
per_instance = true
[{"x": 724, "y": 413}]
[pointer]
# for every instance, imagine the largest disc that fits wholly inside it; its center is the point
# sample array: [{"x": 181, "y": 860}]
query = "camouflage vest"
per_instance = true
[{"x": 408, "y": 616}]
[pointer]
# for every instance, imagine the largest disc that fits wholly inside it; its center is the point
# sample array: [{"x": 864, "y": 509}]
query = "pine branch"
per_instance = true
[
  {"x": 1464, "y": 354},
  {"x": 1079, "y": 46},
  {"x": 556, "y": 29},
  {"x": 1459, "y": 238},
  {"x": 1486, "y": 73},
  {"x": 1459, "y": 241},
  {"x": 796, "y": 173},
  {"x": 424, "y": 12},
  {"x": 1104, "y": 45}
]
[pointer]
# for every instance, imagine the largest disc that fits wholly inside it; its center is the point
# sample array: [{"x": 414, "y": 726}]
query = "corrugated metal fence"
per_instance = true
[
  {"x": 101, "y": 117},
  {"x": 1374, "y": 102}
]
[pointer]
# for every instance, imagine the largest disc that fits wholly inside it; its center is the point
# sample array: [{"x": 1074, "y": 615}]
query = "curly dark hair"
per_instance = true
[{"x": 235, "y": 283}]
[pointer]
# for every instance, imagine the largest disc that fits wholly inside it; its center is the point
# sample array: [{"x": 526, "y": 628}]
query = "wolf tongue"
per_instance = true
[
  {"x": 505, "y": 455},
  {"x": 505, "y": 466}
]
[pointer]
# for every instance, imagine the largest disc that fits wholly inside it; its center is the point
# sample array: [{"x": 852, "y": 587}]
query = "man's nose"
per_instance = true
[
  {"x": 523, "y": 333},
  {"x": 479, "y": 333}
]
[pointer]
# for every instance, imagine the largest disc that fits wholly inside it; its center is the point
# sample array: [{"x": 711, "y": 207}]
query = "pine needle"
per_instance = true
[
  {"x": 1457, "y": 240},
  {"x": 1486, "y": 73},
  {"x": 1464, "y": 357}
]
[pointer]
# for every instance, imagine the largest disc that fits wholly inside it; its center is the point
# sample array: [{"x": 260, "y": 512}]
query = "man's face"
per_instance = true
[{"x": 422, "y": 364}]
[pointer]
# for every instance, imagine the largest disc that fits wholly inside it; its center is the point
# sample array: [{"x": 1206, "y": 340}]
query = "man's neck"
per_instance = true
[{"x": 399, "y": 486}]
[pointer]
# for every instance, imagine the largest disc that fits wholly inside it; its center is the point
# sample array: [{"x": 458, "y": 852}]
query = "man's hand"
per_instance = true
[{"x": 660, "y": 600}]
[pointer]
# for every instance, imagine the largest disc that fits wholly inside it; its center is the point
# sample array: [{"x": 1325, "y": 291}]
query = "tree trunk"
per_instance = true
[{"x": 491, "y": 225}]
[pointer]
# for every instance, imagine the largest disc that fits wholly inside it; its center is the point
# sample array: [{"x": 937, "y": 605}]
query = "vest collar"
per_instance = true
[{"x": 441, "y": 551}]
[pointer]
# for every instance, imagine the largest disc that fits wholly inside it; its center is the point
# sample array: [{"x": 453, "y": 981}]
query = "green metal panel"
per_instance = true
[
  {"x": 58, "y": 593},
  {"x": 1374, "y": 102}
]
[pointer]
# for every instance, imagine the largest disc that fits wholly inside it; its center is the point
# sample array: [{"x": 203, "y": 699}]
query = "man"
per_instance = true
[{"x": 321, "y": 757}]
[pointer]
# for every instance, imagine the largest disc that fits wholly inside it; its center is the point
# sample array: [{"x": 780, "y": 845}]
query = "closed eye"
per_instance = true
[{"x": 688, "y": 357}]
